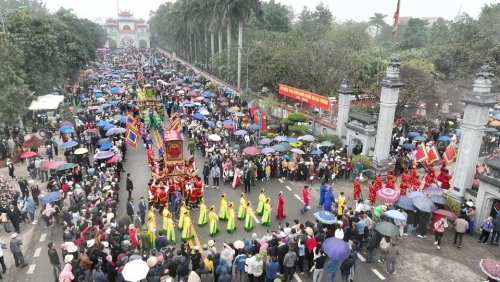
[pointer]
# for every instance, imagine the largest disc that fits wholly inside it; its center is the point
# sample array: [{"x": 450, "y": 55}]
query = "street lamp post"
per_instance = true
[{"x": 283, "y": 107}]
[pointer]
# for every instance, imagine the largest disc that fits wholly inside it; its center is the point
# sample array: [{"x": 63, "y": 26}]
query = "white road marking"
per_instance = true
[
  {"x": 255, "y": 219},
  {"x": 378, "y": 274},
  {"x": 37, "y": 252},
  {"x": 42, "y": 238},
  {"x": 288, "y": 187},
  {"x": 298, "y": 197},
  {"x": 280, "y": 180},
  {"x": 31, "y": 269},
  {"x": 297, "y": 277},
  {"x": 361, "y": 257}
]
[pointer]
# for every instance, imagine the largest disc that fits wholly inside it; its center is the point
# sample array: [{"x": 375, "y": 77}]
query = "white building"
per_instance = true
[{"x": 127, "y": 31}]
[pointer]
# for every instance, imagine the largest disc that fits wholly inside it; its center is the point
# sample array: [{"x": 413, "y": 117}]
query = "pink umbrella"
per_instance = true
[
  {"x": 298, "y": 151},
  {"x": 103, "y": 155},
  {"x": 232, "y": 110},
  {"x": 28, "y": 155},
  {"x": 193, "y": 94},
  {"x": 64, "y": 123},
  {"x": 387, "y": 195},
  {"x": 46, "y": 164},
  {"x": 114, "y": 159},
  {"x": 199, "y": 99},
  {"x": 491, "y": 268},
  {"x": 228, "y": 126},
  {"x": 224, "y": 103},
  {"x": 252, "y": 151},
  {"x": 213, "y": 95},
  {"x": 55, "y": 165},
  {"x": 186, "y": 88}
]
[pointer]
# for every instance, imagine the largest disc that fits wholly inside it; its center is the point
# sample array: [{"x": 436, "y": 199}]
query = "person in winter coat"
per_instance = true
[
  {"x": 239, "y": 266},
  {"x": 372, "y": 245},
  {"x": 54, "y": 260},
  {"x": 224, "y": 276},
  {"x": 345, "y": 268},
  {"x": 66, "y": 275},
  {"x": 329, "y": 199},
  {"x": 222, "y": 264},
  {"x": 85, "y": 264},
  {"x": 288, "y": 263},
  {"x": 98, "y": 275}
]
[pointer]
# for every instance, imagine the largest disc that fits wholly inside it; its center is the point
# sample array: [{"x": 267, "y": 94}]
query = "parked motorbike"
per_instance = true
[{"x": 49, "y": 130}]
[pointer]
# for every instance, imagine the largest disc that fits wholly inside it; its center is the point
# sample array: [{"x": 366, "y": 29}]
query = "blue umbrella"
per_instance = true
[
  {"x": 336, "y": 249},
  {"x": 408, "y": 146},
  {"x": 113, "y": 103},
  {"x": 102, "y": 123},
  {"x": 207, "y": 94},
  {"x": 416, "y": 194},
  {"x": 497, "y": 116},
  {"x": 85, "y": 99},
  {"x": 308, "y": 138},
  {"x": 287, "y": 157},
  {"x": 280, "y": 138},
  {"x": 495, "y": 112},
  {"x": 196, "y": 84},
  {"x": 326, "y": 217},
  {"x": 240, "y": 132},
  {"x": 69, "y": 144},
  {"x": 228, "y": 92},
  {"x": 206, "y": 100},
  {"x": 291, "y": 140},
  {"x": 189, "y": 105},
  {"x": 65, "y": 127},
  {"x": 113, "y": 90},
  {"x": 437, "y": 199},
  {"x": 98, "y": 95},
  {"x": 444, "y": 138},
  {"x": 228, "y": 121},
  {"x": 316, "y": 152},
  {"x": 268, "y": 150},
  {"x": 424, "y": 204},
  {"x": 103, "y": 141},
  {"x": 50, "y": 197},
  {"x": 105, "y": 105},
  {"x": 265, "y": 141},
  {"x": 254, "y": 127},
  {"x": 97, "y": 91},
  {"x": 115, "y": 130},
  {"x": 211, "y": 124},
  {"x": 433, "y": 190},
  {"x": 198, "y": 116},
  {"x": 69, "y": 130},
  {"x": 108, "y": 126},
  {"x": 413, "y": 134},
  {"x": 123, "y": 119},
  {"x": 395, "y": 214},
  {"x": 405, "y": 203},
  {"x": 105, "y": 146}
]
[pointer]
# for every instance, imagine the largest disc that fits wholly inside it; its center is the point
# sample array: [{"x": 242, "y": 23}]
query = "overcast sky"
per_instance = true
[{"x": 357, "y": 10}]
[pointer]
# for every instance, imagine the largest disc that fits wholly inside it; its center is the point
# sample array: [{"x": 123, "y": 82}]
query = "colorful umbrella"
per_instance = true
[
  {"x": 326, "y": 217},
  {"x": 446, "y": 213},
  {"x": 280, "y": 138},
  {"x": 387, "y": 195},
  {"x": 279, "y": 148},
  {"x": 46, "y": 164},
  {"x": 69, "y": 144},
  {"x": 433, "y": 190},
  {"x": 49, "y": 198},
  {"x": 252, "y": 151},
  {"x": 81, "y": 151},
  {"x": 413, "y": 134},
  {"x": 28, "y": 154},
  {"x": 495, "y": 123},
  {"x": 66, "y": 166},
  {"x": 55, "y": 165},
  {"x": 491, "y": 268},
  {"x": 298, "y": 151},
  {"x": 316, "y": 152},
  {"x": 254, "y": 127},
  {"x": 326, "y": 144},
  {"x": 416, "y": 194},
  {"x": 336, "y": 249},
  {"x": 114, "y": 159},
  {"x": 307, "y": 138},
  {"x": 265, "y": 141}
]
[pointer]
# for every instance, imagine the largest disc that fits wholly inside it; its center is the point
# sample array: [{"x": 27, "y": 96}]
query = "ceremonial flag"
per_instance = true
[
  {"x": 421, "y": 154},
  {"x": 130, "y": 119},
  {"x": 132, "y": 137},
  {"x": 432, "y": 155},
  {"x": 450, "y": 154},
  {"x": 175, "y": 122},
  {"x": 396, "y": 20}
]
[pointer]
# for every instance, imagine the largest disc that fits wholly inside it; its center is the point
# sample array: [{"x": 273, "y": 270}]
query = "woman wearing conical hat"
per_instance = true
[
  {"x": 212, "y": 217},
  {"x": 266, "y": 216},
  {"x": 183, "y": 209},
  {"x": 231, "y": 225},
  {"x": 186, "y": 227},
  {"x": 242, "y": 207},
  {"x": 152, "y": 226},
  {"x": 262, "y": 200},
  {"x": 202, "y": 220},
  {"x": 168, "y": 226},
  {"x": 248, "y": 216},
  {"x": 223, "y": 208}
]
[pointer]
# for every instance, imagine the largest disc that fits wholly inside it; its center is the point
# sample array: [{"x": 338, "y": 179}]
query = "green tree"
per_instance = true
[
  {"x": 414, "y": 35},
  {"x": 315, "y": 24},
  {"x": 267, "y": 104},
  {"x": 378, "y": 21},
  {"x": 276, "y": 17},
  {"x": 35, "y": 8}
]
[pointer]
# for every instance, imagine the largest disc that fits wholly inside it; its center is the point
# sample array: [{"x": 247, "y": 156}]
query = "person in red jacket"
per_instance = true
[
  {"x": 357, "y": 189},
  {"x": 404, "y": 185},
  {"x": 162, "y": 198},
  {"x": 444, "y": 177},
  {"x": 389, "y": 183},
  {"x": 305, "y": 199},
  {"x": 373, "y": 193}
]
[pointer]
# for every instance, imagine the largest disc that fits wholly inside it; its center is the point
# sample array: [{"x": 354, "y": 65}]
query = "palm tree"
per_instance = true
[
  {"x": 378, "y": 20},
  {"x": 239, "y": 11}
]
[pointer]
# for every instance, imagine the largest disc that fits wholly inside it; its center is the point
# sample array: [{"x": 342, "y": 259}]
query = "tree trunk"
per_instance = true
[
  {"x": 240, "y": 45},
  {"x": 195, "y": 50},
  {"x": 205, "y": 49},
  {"x": 228, "y": 31},
  {"x": 220, "y": 52},
  {"x": 212, "y": 46}
]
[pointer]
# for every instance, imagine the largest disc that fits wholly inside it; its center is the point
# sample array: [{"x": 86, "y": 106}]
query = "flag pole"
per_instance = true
[{"x": 395, "y": 27}]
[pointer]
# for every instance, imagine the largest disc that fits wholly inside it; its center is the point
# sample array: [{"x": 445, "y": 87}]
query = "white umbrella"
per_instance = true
[
  {"x": 180, "y": 92},
  {"x": 214, "y": 137},
  {"x": 205, "y": 113},
  {"x": 100, "y": 99},
  {"x": 135, "y": 271}
]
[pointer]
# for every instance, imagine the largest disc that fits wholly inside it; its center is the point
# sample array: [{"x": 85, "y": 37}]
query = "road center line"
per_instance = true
[
  {"x": 255, "y": 218},
  {"x": 361, "y": 257},
  {"x": 37, "y": 252},
  {"x": 31, "y": 269},
  {"x": 280, "y": 180},
  {"x": 288, "y": 187},
  {"x": 297, "y": 277},
  {"x": 378, "y": 274},
  {"x": 298, "y": 197},
  {"x": 42, "y": 238}
]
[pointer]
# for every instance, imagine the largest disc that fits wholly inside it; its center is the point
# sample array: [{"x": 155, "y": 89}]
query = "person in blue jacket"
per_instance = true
[
  {"x": 322, "y": 192},
  {"x": 329, "y": 199}
]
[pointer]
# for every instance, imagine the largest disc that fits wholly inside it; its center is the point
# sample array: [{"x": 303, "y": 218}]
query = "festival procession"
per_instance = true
[{"x": 149, "y": 169}]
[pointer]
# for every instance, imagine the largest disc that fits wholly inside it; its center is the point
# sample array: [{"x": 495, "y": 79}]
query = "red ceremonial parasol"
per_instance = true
[
  {"x": 387, "y": 195},
  {"x": 446, "y": 213},
  {"x": 114, "y": 159},
  {"x": 491, "y": 268},
  {"x": 55, "y": 165},
  {"x": 28, "y": 154}
]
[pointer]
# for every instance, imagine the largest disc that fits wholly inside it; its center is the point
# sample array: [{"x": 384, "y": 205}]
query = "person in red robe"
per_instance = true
[
  {"x": 280, "y": 211},
  {"x": 430, "y": 177},
  {"x": 151, "y": 155},
  {"x": 157, "y": 194},
  {"x": 390, "y": 182},
  {"x": 414, "y": 180},
  {"x": 444, "y": 177},
  {"x": 357, "y": 189},
  {"x": 378, "y": 182},
  {"x": 193, "y": 197},
  {"x": 162, "y": 197},
  {"x": 151, "y": 194},
  {"x": 373, "y": 193},
  {"x": 404, "y": 185}
]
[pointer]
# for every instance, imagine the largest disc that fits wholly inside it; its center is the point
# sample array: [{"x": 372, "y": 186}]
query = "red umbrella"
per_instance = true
[
  {"x": 55, "y": 165},
  {"x": 228, "y": 126},
  {"x": 491, "y": 268},
  {"x": 28, "y": 154},
  {"x": 193, "y": 94},
  {"x": 224, "y": 104},
  {"x": 446, "y": 213},
  {"x": 252, "y": 151},
  {"x": 387, "y": 195},
  {"x": 46, "y": 164},
  {"x": 199, "y": 99},
  {"x": 114, "y": 159},
  {"x": 92, "y": 130},
  {"x": 65, "y": 123}
]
